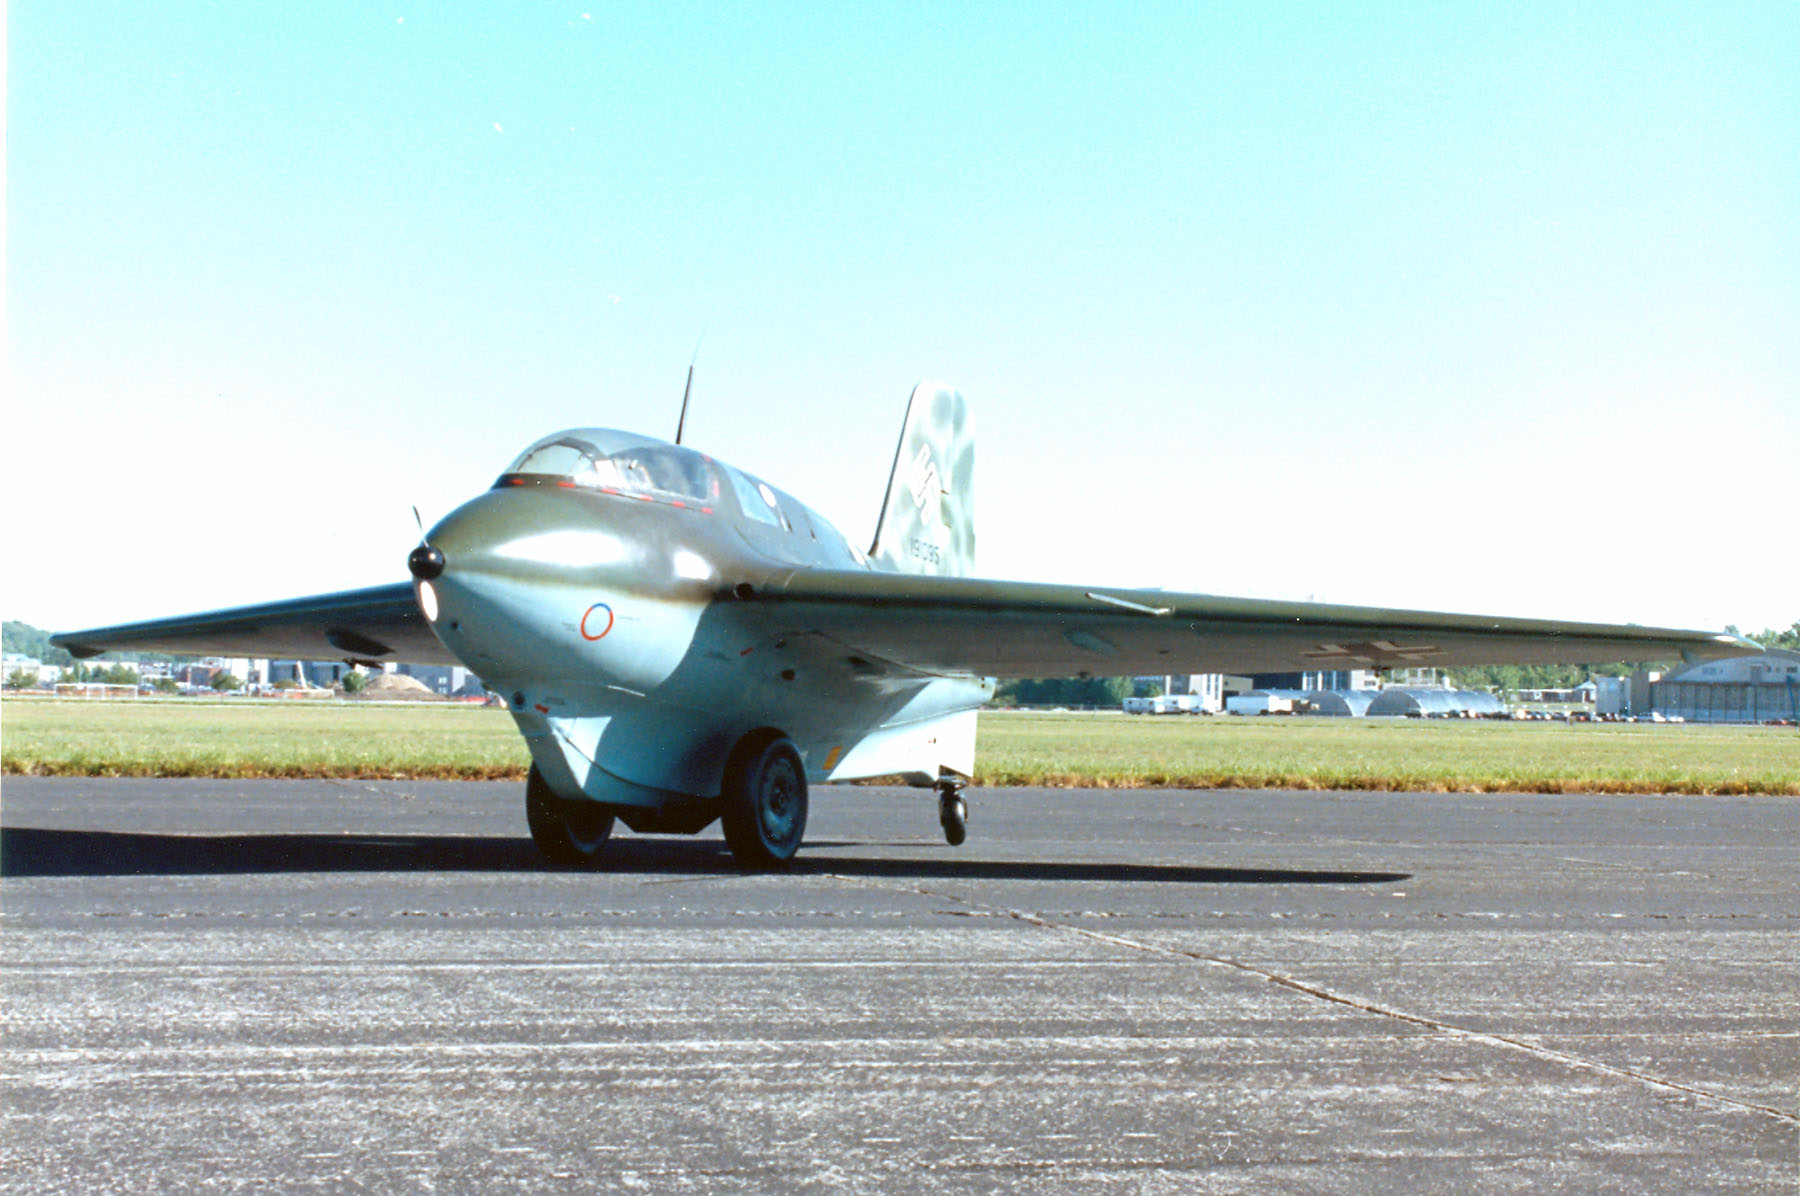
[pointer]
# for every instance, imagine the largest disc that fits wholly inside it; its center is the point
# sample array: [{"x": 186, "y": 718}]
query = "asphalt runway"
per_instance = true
[{"x": 215, "y": 986}]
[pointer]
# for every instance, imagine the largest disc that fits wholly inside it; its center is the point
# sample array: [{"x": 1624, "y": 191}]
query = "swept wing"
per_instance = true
[
  {"x": 955, "y": 626},
  {"x": 964, "y": 626},
  {"x": 378, "y": 624}
]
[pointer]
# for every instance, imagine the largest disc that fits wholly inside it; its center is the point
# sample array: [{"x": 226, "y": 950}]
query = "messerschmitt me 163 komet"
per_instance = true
[{"x": 680, "y": 642}]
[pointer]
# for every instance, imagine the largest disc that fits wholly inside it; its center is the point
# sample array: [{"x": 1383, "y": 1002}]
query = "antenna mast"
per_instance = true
[{"x": 688, "y": 390}]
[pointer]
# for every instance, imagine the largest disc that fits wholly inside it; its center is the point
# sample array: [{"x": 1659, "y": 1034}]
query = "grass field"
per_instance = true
[
  {"x": 1344, "y": 753},
  {"x": 184, "y": 738},
  {"x": 180, "y": 737}
]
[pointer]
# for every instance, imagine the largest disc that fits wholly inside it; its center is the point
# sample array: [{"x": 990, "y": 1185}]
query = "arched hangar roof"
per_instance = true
[
  {"x": 1433, "y": 703},
  {"x": 1343, "y": 703}
]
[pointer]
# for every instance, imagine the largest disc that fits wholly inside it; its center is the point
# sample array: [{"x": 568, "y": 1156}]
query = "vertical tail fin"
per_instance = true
[{"x": 927, "y": 522}]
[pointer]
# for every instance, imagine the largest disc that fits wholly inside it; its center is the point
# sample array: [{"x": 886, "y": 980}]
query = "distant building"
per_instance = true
[
  {"x": 309, "y": 674},
  {"x": 451, "y": 680},
  {"x": 201, "y": 673},
  {"x": 1207, "y": 689},
  {"x": 1612, "y": 695},
  {"x": 318, "y": 674},
  {"x": 1165, "y": 704},
  {"x": 31, "y": 666},
  {"x": 1565, "y": 696},
  {"x": 1739, "y": 689},
  {"x": 286, "y": 670},
  {"x": 1433, "y": 702},
  {"x": 1341, "y": 703},
  {"x": 1264, "y": 701},
  {"x": 1422, "y": 677},
  {"x": 195, "y": 674},
  {"x": 1317, "y": 679}
]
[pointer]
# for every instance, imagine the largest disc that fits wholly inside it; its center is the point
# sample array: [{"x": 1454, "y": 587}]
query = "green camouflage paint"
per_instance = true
[{"x": 928, "y": 520}]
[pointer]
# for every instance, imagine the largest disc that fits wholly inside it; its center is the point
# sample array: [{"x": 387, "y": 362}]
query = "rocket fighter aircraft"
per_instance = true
[{"x": 680, "y": 642}]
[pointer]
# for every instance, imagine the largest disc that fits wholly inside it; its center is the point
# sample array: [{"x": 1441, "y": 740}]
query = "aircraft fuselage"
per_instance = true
[{"x": 614, "y": 621}]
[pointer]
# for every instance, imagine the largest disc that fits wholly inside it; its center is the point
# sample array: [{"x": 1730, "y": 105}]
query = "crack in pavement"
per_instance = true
[
  {"x": 342, "y": 783},
  {"x": 1317, "y": 993}
]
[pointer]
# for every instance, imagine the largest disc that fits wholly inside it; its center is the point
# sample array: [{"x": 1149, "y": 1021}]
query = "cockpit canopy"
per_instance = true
[{"x": 617, "y": 462}]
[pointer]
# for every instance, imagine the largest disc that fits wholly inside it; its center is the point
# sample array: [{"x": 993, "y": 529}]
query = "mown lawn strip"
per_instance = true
[{"x": 248, "y": 739}]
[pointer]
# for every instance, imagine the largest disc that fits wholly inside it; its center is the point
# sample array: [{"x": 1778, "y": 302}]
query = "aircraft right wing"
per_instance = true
[
  {"x": 957, "y": 626},
  {"x": 374, "y": 625}
]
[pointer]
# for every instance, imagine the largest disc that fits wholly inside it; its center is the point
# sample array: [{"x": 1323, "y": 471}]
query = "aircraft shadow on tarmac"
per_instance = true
[{"x": 33, "y": 852}]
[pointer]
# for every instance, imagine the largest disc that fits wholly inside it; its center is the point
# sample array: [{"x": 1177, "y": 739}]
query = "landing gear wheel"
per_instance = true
[
  {"x": 953, "y": 815},
  {"x": 764, "y": 803},
  {"x": 567, "y": 832}
]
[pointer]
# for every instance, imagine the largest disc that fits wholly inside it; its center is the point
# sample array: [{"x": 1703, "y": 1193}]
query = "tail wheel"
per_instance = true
[
  {"x": 567, "y": 832},
  {"x": 764, "y": 803}
]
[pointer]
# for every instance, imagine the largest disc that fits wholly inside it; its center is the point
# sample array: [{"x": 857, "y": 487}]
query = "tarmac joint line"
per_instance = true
[{"x": 1313, "y": 991}]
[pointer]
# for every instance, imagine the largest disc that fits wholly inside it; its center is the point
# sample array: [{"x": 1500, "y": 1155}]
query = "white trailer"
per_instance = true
[
  {"x": 1166, "y": 704},
  {"x": 1258, "y": 704}
]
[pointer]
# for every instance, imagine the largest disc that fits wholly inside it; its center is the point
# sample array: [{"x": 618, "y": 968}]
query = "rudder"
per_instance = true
[{"x": 927, "y": 522}]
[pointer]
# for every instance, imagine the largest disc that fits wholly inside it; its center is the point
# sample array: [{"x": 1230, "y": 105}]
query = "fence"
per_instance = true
[{"x": 94, "y": 689}]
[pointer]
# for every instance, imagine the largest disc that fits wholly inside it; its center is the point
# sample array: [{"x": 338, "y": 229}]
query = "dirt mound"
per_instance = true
[{"x": 394, "y": 685}]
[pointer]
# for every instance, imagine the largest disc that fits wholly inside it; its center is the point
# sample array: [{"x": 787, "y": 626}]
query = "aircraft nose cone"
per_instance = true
[{"x": 425, "y": 562}]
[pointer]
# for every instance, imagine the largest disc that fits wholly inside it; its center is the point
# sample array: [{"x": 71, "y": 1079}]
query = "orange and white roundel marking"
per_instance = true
[{"x": 597, "y": 621}]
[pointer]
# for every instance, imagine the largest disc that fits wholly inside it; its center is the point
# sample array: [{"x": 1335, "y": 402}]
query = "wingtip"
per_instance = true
[
  {"x": 75, "y": 647},
  {"x": 1724, "y": 643}
]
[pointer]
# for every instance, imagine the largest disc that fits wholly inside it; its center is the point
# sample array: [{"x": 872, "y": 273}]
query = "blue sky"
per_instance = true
[{"x": 1455, "y": 307}]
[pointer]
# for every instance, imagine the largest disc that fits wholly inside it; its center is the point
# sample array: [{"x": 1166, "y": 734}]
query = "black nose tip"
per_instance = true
[{"x": 425, "y": 562}]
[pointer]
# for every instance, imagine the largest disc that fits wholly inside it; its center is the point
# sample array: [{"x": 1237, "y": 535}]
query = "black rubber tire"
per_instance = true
[
  {"x": 763, "y": 806},
  {"x": 953, "y": 815},
  {"x": 571, "y": 833}
]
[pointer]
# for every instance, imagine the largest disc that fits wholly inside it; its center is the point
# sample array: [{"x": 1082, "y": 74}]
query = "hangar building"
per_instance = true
[
  {"x": 1208, "y": 689},
  {"x": 1332, "y": 679},
  {"x": 1739, "y": 689},
  {"x": 1343, "y": 703},
  {"x": 1421, "y": 702}
]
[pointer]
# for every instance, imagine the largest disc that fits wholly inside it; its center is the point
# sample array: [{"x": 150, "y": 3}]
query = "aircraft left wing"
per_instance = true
[
  {"x": 956, "y": 626},
  {"x": 380, "y": 624}
]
